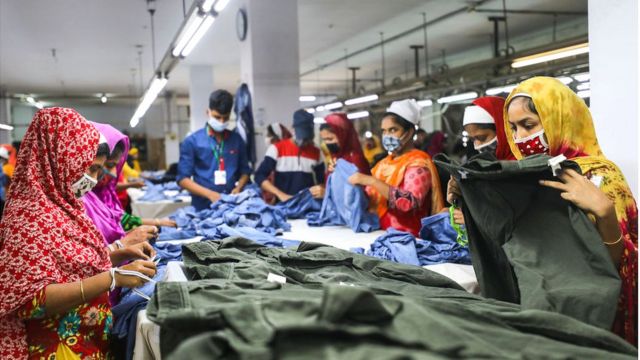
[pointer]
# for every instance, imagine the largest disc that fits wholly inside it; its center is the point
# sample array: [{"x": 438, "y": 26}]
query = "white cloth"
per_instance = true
[
  {"x": 476, "y": 115},
  {"x": 407, "y": 109}
]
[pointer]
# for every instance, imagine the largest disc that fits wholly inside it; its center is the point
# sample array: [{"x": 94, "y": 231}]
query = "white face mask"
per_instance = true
[
  {"x": 489, "y": 146},
  {"x": 83, "y": 186},
  {"x": 216, "y": 125}
]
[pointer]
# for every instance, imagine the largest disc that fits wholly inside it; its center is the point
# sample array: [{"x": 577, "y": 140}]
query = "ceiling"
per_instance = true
[{"x": 95, "y": 41}]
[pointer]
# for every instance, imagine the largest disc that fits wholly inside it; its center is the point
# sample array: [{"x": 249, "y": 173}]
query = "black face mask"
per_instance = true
[{"x": 333, "y": 148}]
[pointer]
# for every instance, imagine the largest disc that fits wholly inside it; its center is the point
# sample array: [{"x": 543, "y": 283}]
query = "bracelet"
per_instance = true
[
  {"x": 119, "y": 244},
  {"x": 84, "y": 300},
  {"x": 614, "y": 242},
  {"x": 110, "y": 247},
  {"x": 112, "y": 271}
]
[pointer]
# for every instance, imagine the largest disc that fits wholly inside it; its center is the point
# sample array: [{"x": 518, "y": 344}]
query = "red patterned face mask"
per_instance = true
[{"x": 534, "y": 144}]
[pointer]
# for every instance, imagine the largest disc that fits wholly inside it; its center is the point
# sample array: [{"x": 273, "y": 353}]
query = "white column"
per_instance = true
[
  {"x": 270, "y": 63},
  {"x": 200, "y": 87},
  {"x": 613, "y": 63},
  {"x": 171, "y": 137}
]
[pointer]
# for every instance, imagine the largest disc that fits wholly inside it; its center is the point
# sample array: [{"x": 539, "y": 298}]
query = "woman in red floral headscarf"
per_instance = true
[{"x": 54, "y": 269}]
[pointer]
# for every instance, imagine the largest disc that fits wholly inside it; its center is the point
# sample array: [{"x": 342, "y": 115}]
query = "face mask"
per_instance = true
[
  {"x": 333, "y": 148},
  {"x": 217, "y": 125},
  {"x": 489, "y": 147},
  {"x": 391, "y": 143},
  {"x": 534, "y": 144},
  {"x": 83, "y": 186}
]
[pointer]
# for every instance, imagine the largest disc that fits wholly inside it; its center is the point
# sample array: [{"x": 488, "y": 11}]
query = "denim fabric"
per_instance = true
[
  {"x": 397, "y": 246},
  {"x": 345, "y": 204},
  {"x": 438, "y": 244},
  {"x": 157, "y": 192},
  {"x": 300, "y": 205},
  {"x": 244, "y": 119},
  {"x": 257, "y": 236}
]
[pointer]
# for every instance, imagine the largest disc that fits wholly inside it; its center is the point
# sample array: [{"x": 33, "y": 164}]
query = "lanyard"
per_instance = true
[{"x": 218, "y": 153}]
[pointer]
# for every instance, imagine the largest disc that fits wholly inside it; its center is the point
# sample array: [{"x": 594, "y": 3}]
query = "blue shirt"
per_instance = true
[{"x": 197, "y": 160}]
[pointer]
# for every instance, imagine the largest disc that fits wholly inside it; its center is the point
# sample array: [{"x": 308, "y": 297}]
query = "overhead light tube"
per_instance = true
[
  {"x": 361, "y": 100},
  {"x": 458, "y": 97},
  {"x": 357, "y": 115},
  {"x": 551, "y": 55}
]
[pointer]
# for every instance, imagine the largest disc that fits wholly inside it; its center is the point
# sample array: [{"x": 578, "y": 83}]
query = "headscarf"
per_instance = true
[
  {"x": 107, "y": 193},
  {"x": 280, "y": 131},
  {"x": 436, "y": 143},
  {"x": 370, "y": 154},
  {"x": 569, "y": 130},
  {"x": 10, "y": 166},
  {"x": 134, "y": 163},
  {"x": 45, "y": 236},
  {"x": 303, "y": 125},
  {"x": 350, "y": 149},
  {"x": 494, "y": 105},
  {"x": 391, "y": 171}
]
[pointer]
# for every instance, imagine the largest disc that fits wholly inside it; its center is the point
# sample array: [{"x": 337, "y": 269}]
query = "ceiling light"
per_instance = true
[
  {"x": 551, "y": 55},
  {"x": 206, "y": 24},
  {"x": 207, "y": 5},
  {"x": 318, "y": 120},
  {"x": 307, "y": 98},
  {"x": 565, "y": 79},
  {"x": 500, "y": 90},
  {"x": 310, "y": 110},
  {"x": 357, "y": 115},
  {"x": 362, "y": 99},
  {"x": 458, "y": 97},
  {"x": 584, "y": 93},
  {"x": 425, "y": 103},
  {"x": 584, "y": 86},
  {"x": 33, "y": 102},
  {"x": 368, "y": 134},
  {"x": 404, "y": 90},
  {"x": 220, "y": 5},
  {"x": 582, "y": 77},
  {"x": 187, "y": 33},
  {"x": 150, "y": 96},
  {"x": 6, "y": 127},
  {"x": 332, "y": 106},
  {"x": 103, "y": 99}
]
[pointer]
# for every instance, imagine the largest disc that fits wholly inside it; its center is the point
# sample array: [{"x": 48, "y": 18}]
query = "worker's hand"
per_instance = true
[
  {"x": 317, "y": 191},
  {"x": 458, "y": 217},
  {"x": 166, "y": 222},
  {"x": 453, "y": 191},
  {"x": 136, "y": 184},
  {"x": 360, "y": 179},
  {"x": 141, "y": 250},
  {"x": 140, "y": 234},
  {"x": 144, "y": 267},
  {"x": 581, "y": 192},
  {"x": 213, "y": 196},
  {"x": 236, "y": 190},
  {"x": 283, "y": 197},
  {"x": 331, "y": 166}
]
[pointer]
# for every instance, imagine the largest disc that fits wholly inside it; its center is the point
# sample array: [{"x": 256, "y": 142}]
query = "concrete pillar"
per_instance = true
[
  {"x": 270, "y": 63},
  {"x": 613, "y": 61},
  {"x": 5, "y": 117},
  {"x": 200, "y": 87},
  {"x": 172, "y": 130}
]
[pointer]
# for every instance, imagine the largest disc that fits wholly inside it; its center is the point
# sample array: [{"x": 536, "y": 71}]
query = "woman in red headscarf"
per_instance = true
[
  {"x": 55, "y": 272},
  {"x": 341, "y": 139}
]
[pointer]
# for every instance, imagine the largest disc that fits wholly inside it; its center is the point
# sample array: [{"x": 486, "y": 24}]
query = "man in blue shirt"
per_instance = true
[{"x": 214, "y": 157}]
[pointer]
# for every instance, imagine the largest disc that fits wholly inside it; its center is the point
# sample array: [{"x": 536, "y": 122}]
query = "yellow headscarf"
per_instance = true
[
  {"x": 569, "y": 130},
  {"x": 370, "y": 154}
]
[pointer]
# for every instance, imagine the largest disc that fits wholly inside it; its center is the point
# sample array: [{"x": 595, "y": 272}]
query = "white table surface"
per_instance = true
[
  {"x": 155, "y": 209},
  {"x": 147, "y": 345}
]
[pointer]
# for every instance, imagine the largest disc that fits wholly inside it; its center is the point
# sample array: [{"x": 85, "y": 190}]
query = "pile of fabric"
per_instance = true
[
  {"x": 162, "y": 192},
  {"x": 248, "y": 301},
  {"x": 245, "y": 212}
]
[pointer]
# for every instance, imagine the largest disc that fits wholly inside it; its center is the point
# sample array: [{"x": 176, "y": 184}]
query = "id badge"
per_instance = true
[{"x": 220, "y": 177}]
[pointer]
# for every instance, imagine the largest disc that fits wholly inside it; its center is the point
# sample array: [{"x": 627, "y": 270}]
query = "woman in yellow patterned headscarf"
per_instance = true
[{"x": 542, "y": 115}]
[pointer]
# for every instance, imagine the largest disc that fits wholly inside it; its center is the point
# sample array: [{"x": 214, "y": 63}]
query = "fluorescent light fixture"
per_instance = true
[
  {"x": 500, "y": 90},
  {"x": 220, "y": 5},
  {"x": 584, "y": 86},
  {"x": 310, "y": 110},
  {"x": 357, "y": 115},
  {"x": 404, "y": 90},
  {"x": 150, "y": 96},
  {"x": 206, "y": 24},
  {"x": 318, "y": 120},
  {"x": 565, "y": 79},
  {"x": 458, "y": 97},
  {"x": 103, "y": 99},
  {"x": 362, "y": 99},
  {"x": 33, "y": 102},
  {"x": 551, "y": 55},
  {"x": 584, "y": 93},
  {"x": 187, "y": 33},
  {"x": 425, "y": 103},
  {"x": 335, "y": 105},
  {"x": 6, "y": 127},
  {"x": 582, "y": 77},
  {"x": 368, "y": 134},
  {"x": 307, "y": 98},
  {"x": 207, "y": 5}
]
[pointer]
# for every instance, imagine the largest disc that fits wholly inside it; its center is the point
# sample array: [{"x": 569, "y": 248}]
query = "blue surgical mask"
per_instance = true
[
  {"x": 217, "y": 125},
  {"x": 391, "y": 143}
]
